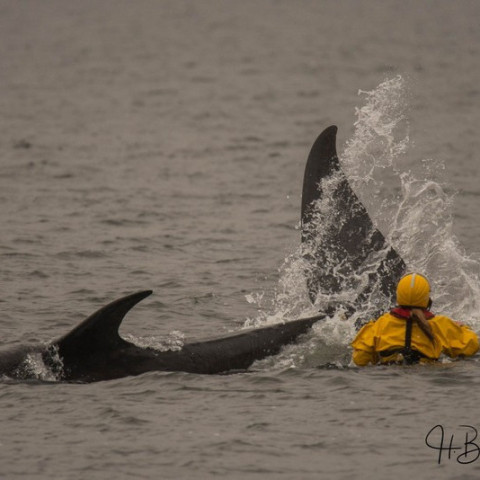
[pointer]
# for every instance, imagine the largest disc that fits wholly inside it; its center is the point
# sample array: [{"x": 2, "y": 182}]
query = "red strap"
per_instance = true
[{"x": 406, "y": 312}]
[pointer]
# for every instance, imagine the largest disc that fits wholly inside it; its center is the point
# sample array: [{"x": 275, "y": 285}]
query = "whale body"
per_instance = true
[{"x": 95, "y": 351}]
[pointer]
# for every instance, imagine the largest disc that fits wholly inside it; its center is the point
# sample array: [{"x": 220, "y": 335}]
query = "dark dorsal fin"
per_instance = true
[
  {"x": 340, "y": 250},
  {"x": 100, "y": 330}
]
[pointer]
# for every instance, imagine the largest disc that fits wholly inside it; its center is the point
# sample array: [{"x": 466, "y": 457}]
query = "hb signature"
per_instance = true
[{"x": 464, "y": 451}]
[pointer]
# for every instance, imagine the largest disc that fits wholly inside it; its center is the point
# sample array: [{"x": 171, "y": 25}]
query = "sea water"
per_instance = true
[{"x": 162, "y": 145}]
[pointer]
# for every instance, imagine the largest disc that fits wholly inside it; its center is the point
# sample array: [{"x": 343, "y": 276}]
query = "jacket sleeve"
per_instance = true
[
  {"x": 364, "y": 346},
  {"x": 458, "y": 340}
]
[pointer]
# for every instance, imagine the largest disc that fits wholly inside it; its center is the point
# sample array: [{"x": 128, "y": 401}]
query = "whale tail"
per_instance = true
[{"x": 339, "y": 239}]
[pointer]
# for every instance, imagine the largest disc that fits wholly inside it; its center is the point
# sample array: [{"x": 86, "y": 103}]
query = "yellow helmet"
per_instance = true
[{"x": 413, "y": 290}]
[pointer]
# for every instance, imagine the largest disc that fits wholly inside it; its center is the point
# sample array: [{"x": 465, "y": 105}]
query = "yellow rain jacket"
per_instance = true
[{"x": 381, "y": 341}]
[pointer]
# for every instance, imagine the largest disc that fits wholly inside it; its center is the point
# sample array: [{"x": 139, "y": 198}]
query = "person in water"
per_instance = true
[{"x": 410, "y": 332}]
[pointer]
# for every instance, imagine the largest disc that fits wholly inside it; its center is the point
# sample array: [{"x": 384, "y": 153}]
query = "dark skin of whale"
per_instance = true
[
  {"x": 352, "y": 236},
  {"x": 94, "y": 351}
]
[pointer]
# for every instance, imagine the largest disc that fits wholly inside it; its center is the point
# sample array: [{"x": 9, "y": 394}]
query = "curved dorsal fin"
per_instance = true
[{"x": 100, "y": 330}]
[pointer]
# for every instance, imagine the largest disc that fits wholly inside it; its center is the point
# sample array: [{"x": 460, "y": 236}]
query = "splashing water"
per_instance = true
[
  {"x": 379, "y": 144},
  {"x": 379, "y": 123},
  {"x": 429, "y": 245},
  {"x": 416, "y": 200},
  {"x": 174, "y": 341},
  {"x": 34, "y": 367},
  {"x": 397, "y": 201}
]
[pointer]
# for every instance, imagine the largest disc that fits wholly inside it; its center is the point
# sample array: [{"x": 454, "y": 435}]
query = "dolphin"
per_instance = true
[{"x": 94, "y": 350}]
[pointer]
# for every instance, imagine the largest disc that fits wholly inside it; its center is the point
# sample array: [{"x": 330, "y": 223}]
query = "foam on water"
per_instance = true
[
  {"x": 409, "y": 205},
  {"x": 34, "y": 368},
  {"x": 174, "y": 341}
]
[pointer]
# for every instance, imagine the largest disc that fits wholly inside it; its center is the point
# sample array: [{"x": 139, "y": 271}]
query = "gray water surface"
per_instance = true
[{"x": 161, "y": 144}]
